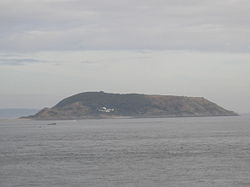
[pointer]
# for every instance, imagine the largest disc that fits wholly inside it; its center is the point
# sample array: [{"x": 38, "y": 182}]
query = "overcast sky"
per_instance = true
[{"x": 50, "y": 49}]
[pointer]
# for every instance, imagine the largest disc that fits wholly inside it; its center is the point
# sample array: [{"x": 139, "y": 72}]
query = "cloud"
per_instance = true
[
  {"x": 18, "y": 61},
  {"x": 88, "y": 62},
  {"x": 215, "y": 25}
]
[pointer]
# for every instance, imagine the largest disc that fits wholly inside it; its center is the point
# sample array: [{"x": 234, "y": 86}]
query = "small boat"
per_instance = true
[{"x": 51, "y": 124}]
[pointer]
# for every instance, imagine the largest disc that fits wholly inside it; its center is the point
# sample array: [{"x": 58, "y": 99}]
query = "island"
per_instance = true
[{"x": 97, "y": 105}]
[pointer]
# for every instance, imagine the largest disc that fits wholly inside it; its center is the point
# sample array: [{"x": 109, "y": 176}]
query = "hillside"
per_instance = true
[{"x": 107, "y": 105}]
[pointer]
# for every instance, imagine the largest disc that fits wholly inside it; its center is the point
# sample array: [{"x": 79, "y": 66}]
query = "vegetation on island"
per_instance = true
[{"x": 109, "y": 105}]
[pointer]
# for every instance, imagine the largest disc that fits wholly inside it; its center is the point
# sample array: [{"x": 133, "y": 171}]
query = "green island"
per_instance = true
[{"x": 97, "y": 105}]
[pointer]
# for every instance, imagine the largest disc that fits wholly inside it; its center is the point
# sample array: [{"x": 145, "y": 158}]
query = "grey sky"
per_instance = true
[
  {"x": 213, "y": 25},
  {"x": 54, "y": 48}
]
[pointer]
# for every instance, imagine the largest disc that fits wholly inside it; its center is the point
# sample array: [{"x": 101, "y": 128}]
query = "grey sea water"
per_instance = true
[{"x": 207, "y": 151}]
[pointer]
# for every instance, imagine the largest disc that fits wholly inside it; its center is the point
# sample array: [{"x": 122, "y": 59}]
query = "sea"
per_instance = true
[{"x": 149, "y": 152}]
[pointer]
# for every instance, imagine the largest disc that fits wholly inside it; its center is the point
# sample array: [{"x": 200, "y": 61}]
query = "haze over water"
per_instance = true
[
  {"x": 52, "y": 49},
  {"x": 207, "y": 151}
]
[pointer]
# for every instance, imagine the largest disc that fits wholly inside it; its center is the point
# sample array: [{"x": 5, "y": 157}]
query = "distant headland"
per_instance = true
[{"x": 96, "y": 105}]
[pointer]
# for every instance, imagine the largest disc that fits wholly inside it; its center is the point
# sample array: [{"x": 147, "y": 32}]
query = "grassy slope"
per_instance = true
[{"x": 87, "y": 105}]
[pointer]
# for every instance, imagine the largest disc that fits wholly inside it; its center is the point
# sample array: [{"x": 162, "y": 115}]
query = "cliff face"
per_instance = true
[{"x": 107, "y": 105}]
